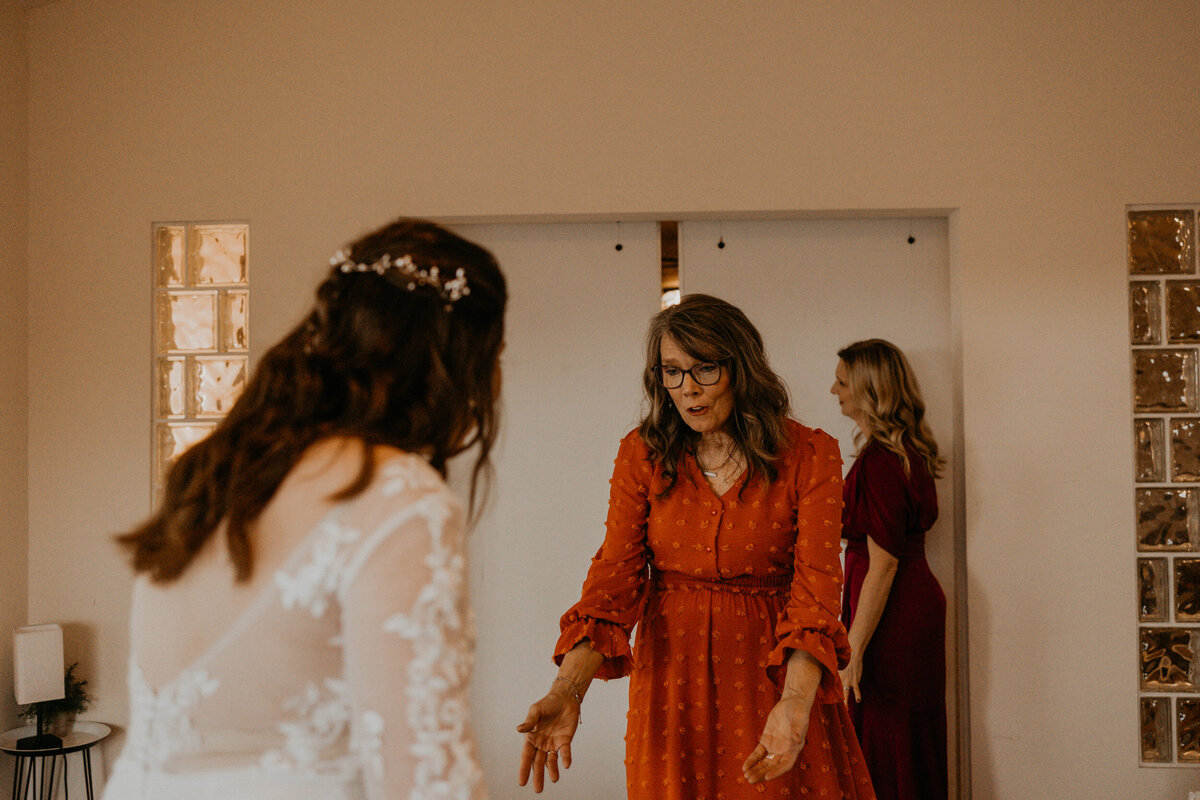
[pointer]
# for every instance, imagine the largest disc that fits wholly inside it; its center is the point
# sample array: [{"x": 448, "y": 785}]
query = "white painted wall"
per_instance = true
[
  {"x": 14, "y": 343},
  {"x": 572, "y": 389},
  {"x": 1035, "y": 123}
]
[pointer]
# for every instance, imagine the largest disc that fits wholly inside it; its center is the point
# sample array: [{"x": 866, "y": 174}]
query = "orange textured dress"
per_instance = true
[{"x": 722, "y": 590}]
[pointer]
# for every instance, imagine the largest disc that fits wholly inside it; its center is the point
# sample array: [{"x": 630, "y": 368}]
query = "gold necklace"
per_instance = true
[{"x": 713, "y": 472}]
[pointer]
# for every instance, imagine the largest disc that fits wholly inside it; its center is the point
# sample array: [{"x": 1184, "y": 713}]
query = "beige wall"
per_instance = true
[
  {"x": 1036, "y": 122},
  {"x": 14, "y": 342}
]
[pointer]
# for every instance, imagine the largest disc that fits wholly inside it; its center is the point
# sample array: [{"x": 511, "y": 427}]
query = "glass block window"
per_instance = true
[
  {"x": 1164, "y": 339},
  {"x": 201, "y": 332}
]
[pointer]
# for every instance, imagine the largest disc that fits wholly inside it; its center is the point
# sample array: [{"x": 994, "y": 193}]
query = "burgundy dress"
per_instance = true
[{"x": 901, "y": 721}]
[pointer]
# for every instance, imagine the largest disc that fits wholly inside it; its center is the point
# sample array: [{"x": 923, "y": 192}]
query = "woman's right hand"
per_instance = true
[{"x": 549, "y": 728}]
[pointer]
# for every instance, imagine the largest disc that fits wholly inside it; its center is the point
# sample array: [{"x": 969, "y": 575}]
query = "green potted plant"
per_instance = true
[{"x": 58, "y": 716}]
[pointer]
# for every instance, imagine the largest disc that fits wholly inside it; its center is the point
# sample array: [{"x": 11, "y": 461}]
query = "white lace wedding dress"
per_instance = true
[{"x": 339, "y": 671}]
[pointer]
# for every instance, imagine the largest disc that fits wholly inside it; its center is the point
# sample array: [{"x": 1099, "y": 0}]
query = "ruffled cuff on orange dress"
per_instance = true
[
  {"x": 607, "y": 638},
  {"x": 825, "y": 650}
]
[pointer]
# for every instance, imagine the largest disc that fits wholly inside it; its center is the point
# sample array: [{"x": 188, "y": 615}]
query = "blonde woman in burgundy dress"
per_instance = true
[{"x": 892, "y": 604}]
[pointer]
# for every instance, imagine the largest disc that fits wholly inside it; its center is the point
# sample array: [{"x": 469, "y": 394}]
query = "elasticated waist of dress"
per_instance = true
[{"x": 770, "y": 586}]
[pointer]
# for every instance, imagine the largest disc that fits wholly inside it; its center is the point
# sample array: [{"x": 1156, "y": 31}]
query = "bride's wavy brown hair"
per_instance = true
[
  {"x": 884, "y": 388},
  {"x": 710, "y": 329},
  {"x": 377, "y": 359}
]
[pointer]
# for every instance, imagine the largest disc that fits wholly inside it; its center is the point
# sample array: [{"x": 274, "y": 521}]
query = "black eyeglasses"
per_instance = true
[{"x": 706, "y": 373}]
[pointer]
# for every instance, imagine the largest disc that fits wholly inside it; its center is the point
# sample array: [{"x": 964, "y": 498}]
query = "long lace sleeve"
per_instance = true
[
  {"x": 810, "y": 621},
  {"x": 408, "y": 643},
  {"x": 614, "y": 591}
]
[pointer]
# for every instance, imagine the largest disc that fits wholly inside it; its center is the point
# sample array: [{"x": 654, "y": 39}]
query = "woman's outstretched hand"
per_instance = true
[
  {"x": 781, "y": 741},
  {"x": 549, "y": 728}
]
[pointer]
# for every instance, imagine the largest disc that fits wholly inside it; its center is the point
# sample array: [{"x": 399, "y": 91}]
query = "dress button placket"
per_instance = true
[{"x": 716, "y": 531}]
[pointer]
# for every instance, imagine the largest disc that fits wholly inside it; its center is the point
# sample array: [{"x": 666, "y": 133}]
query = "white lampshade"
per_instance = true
[{"x": 38, "y": 664}]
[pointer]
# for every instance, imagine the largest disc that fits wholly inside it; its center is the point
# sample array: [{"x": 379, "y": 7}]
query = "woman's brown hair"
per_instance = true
[
  {"x": 884, "y": 389},
  {"x": 380, "y": 358},
  {"x": 710, "y": 329}
]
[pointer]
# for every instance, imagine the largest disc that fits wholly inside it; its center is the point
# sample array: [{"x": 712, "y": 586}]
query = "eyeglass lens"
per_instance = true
[{"x": 706, "y": 373}]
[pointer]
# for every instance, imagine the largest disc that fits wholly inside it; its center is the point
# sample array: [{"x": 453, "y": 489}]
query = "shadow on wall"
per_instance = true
[
  {"x": 981, "y": 767},
  {"x": 79, "y": 644}
]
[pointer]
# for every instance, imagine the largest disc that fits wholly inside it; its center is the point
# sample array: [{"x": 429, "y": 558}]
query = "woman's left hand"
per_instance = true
[{"x": 781, "y": 741}]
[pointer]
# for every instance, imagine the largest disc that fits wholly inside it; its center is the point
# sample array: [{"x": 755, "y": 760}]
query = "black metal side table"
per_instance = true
[{"x": 28, "y": 783}]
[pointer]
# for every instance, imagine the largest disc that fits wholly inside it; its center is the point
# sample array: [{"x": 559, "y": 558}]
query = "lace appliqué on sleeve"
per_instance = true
[
  {"x": 323, "y": 718},
  {"x": 315, "y": 738},
  {"x": 160, "y": 724},
  {"x": 404, "y": 475},
  {"x": 314, "y": 584},
  {"x": 318, "y": 739},
  {"x": 438, "y": 675},
  {"x": 366, "y": 742}
]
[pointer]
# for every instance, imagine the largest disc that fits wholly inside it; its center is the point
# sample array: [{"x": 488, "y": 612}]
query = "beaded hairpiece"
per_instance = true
[{"x": 451, "y": 290}]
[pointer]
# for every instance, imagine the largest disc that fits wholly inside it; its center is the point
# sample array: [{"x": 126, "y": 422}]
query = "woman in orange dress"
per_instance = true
[{"x": 721, "y": 546}]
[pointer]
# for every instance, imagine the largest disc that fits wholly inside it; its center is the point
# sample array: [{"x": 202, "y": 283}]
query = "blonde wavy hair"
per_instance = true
[{"x": 885, "y": 391}]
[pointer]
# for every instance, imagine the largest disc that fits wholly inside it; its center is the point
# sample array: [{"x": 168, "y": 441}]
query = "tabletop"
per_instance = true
[{"x": 82, "y": 736}]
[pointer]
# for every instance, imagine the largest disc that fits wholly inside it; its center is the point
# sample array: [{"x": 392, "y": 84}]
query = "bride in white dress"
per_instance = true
[{"x": 300, "y": 627}]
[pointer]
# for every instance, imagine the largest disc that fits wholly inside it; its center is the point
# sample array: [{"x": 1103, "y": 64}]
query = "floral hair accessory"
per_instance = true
[{"x": 451, "y": 290}]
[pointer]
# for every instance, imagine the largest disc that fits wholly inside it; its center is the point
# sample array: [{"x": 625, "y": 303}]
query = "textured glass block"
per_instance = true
[
  {"x": 1168, "y": 659},
  {"x": 1156, "y": 730},
  {"x": 1166, "y": 519},
  {"x": 1183, "y": 311},
  {"x": 168, "y": 255},
  {"x": 1164, "y": 380},
  {"x": 187, "y": 321},
  {"x": 1161, "y": 242},
  {"x": 1185, "y": 450},
  {"x": 1149, "y": 450},
  {"x": 1187, "y": 590},
  {"x": 1187, "y": 722},
  {"x": 1145, "y": 313},
  {"x": 173, "y": 438},
  {"x": 1152, "y": 589},
  {"x": 217, "y": 384},
  {"x": 235, "y": 331},
  {"x": 172, "y": 393},
  {"x": 218, "y": 254}
]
